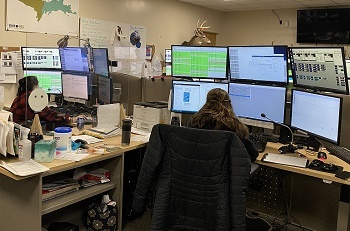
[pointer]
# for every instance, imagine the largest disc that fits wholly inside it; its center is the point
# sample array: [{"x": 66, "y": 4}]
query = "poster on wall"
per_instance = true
[
  {"x": 126, "y": 43},
  {"x": 43, "y": 16}
]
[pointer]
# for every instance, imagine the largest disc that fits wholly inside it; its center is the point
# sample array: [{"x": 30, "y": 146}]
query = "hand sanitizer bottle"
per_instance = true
[{"x": 25, "y": 145}]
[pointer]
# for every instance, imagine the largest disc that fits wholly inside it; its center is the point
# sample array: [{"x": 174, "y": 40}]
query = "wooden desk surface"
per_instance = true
[
  {"x": 273, "y": 148},
  {"x": 62, "y": 165}
]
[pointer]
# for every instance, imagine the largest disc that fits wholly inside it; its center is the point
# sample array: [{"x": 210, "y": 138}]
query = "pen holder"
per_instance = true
[{"x": 126, "y": 132}]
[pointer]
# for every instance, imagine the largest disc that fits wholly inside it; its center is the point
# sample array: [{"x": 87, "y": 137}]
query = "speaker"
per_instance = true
[
  {"x": 285, "y": 135},
  {"x": 175, "y": 120}
]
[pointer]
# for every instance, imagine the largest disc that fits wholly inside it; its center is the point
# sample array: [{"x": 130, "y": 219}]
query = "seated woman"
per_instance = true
[
  {"x": 21, "y": 110},
  {"x": 217, "y": 113}
]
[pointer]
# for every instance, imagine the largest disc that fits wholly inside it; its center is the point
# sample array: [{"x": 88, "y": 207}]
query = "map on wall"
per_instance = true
[{"x": 43, "y": 16}]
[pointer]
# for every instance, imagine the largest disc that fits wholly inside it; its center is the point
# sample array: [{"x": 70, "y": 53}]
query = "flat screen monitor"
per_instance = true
[
  {"x": 320, "y": 69},
  {"x": 75, "y": 85},
  {"x": 36, "y": 58},
  {"x": 316, "y": 114},
  {"x": 250, "y": 101},
  {"x": 266, "y": 64},
  {"x": 100, "y": 61},
  {"x": 199, "y": 62},
  {"x": 74, "y": 59},
  {"x": 105, "y": 90},
  {"x": 168, "y": 69},
  {"x": 168, "y": 55},
  {"x": 190, "y": 96},
  {"x": 50, "y": 81}
]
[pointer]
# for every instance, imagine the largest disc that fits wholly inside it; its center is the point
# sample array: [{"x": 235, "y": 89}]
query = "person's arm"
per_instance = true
[
  {"x": 50, "y": 115},
  {"x": 20, "y": 109}
]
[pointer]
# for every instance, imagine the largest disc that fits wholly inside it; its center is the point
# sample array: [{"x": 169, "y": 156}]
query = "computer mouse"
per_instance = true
[
  {"x": 329, "y": 167},
  {"x": 316, "y": 163},
  {"x": 322, "y": 155}
]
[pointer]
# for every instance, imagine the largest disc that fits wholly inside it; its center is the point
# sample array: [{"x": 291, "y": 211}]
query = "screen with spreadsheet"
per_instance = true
[
  {"x": 74, "y": 59},
  {"x": 319, "y": 68},
  {"x": 190, "y": 96},
  {"x": 267, "y": 64},
  {"x": 199, "y": 62},
  {"x": 249, "y": 101},
  {"x": 50, "y": 81},
  {"x": 316, "y": 114},
  {"x": 37, "y": 58},
  {"x": 75, "y": 85}
]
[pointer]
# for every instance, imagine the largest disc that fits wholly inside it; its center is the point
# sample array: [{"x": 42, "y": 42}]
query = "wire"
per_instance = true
[{"x": 279, "y": 19}]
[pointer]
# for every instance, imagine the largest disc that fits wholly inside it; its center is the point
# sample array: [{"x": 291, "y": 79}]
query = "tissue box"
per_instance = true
[{"x": 44, "y": 151}]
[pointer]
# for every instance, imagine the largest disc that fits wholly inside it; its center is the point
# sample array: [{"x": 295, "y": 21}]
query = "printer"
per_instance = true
[{"x": 148, "y": 114}]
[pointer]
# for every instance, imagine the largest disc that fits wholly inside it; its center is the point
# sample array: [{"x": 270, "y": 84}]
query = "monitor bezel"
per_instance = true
[
  {"x": 252, "y": 81},
  {"x": 198, "y": 77},
  {"x": 264, "y": 85},
  {"x": 88, "y": 75},
  {"x": 165, "y": 50},
  {"x": 75, "y": 71},
  {"x": 316, "y": 88},
  {"x": 44, "y": 69},
  {"x": 93, "y": 60},
  {"x": 188, "y": 81},
  {"x": 311, "y": 133}
]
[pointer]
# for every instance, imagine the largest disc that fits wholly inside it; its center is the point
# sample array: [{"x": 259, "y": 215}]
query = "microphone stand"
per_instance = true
[{"x": 287, "y": 148}]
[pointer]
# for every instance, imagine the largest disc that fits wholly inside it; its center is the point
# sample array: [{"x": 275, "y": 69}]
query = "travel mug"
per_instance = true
[{"x": 126, "y": 132}]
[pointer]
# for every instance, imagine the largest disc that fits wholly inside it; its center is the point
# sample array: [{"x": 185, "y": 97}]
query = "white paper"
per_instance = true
[
  {"x": 7, "y": 63},
  {"x": 108, "y": 115},
  {"x": 24, "y": 168},
  {"x": 71, "y": 156},
  {"x": 8, "y": 78}
]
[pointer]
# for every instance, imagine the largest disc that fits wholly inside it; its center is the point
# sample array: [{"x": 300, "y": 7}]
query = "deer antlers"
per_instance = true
[{"x": 202, "y": 27}]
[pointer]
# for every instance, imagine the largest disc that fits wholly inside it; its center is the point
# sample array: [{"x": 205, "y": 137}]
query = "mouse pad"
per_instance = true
[{"x": 339, "y": 170}]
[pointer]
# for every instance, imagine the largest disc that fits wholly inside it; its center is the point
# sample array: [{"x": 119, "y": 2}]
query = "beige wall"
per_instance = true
[{"x": 167, "y": 21}]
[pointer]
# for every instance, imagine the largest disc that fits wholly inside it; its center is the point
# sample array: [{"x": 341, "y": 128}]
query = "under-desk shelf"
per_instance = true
[{"x": 74, "y": 197}]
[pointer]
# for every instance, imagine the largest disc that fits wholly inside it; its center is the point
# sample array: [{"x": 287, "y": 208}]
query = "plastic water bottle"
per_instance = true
[{"x": 80, "y": 123}]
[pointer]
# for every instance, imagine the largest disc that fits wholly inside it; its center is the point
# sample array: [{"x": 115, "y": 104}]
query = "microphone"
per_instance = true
[{"x": 288, "y": 148}]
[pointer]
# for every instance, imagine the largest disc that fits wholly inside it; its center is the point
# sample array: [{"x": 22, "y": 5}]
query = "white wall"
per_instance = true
[{"x": 168, "y": 22}]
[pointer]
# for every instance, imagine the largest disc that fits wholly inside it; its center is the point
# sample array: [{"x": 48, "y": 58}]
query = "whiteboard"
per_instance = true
[{"x": 128, "y": 49}]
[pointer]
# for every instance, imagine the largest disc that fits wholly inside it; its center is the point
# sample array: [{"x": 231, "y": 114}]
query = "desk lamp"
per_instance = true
[{"x": 63, "y": 42}]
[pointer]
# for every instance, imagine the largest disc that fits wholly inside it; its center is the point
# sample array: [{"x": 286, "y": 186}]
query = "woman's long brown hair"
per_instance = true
[{"x": 218, "y": 111}]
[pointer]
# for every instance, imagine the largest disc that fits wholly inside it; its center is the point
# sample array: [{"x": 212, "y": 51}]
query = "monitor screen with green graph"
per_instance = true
[
  {"x": 50, "y": 81},
  {"x": 199, "y": 62}
]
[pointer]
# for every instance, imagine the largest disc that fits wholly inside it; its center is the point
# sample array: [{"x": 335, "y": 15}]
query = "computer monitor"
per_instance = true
[
  {"x": 168, "y": 55},
  {"x": 50, "y": 81},
  {"x": 100, "y": 61},
  {"x": 168, "y": 69},
  {"x": 74, "y": 59},
  {"x": 319, "y": 68},
  {"x": 265, "y": 64},
  {"x": 105, "y": 90},
  {"x": 40, "y": 58},
  {"x": 250, "y": 101},
  {"x": 190, "y": 96},
  {"x": 318, "y": 115},
  {"x": 75, "y": 85},
  {"x": 199, "y": 62}
]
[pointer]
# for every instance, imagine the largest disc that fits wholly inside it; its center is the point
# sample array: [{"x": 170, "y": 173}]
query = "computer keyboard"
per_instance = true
[
  {"x": 340, "y": 152},
  {"x": 259, "y": 141}
]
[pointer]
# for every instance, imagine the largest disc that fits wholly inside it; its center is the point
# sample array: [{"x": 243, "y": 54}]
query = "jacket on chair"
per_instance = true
[{"x": 200, "y": 178}]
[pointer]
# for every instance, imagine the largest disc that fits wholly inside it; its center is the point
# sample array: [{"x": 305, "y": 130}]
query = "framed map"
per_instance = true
[{"x": 43, "y": 16}]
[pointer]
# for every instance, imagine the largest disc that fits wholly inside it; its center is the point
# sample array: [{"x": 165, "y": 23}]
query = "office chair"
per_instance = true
[{"x": 196, "y": 179}]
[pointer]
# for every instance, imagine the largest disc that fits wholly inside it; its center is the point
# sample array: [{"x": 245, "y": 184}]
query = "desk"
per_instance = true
[
  {"x": 343, "y": 207},
  {"x": 21, "y": 198}
]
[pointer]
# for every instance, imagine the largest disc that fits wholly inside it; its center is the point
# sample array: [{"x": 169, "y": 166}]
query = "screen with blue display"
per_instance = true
[
  {"x": 100, "y": 61},
  {"x": 74, "y": 59}
]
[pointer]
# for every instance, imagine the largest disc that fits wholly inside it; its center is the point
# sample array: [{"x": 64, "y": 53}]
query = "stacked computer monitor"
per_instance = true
[
  {"x": 320, "y": 77},
  {"x": 167, "y": 61},
  {"x": 101, "y": 71},
  {"x": 45, "y": 64},
  {"x": 76, "y": 76}
]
